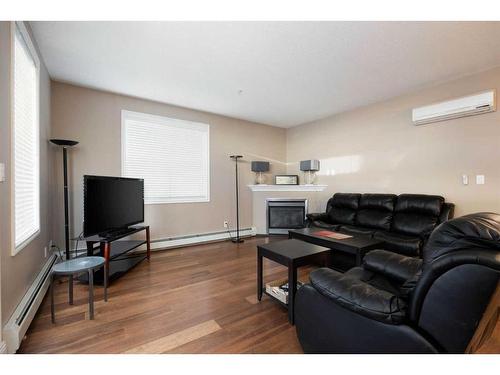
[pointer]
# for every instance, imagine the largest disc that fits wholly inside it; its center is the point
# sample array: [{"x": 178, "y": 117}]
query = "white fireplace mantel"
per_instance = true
[{"x": 263, "y": 187}]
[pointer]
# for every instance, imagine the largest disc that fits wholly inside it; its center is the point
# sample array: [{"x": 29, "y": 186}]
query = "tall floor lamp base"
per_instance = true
[{"x": 237, "y": 240}]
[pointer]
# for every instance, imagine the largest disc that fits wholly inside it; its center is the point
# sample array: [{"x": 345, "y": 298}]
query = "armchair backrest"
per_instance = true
[
  {"x": 480, "y": 231},
  {"x": 460, "y": 273}
]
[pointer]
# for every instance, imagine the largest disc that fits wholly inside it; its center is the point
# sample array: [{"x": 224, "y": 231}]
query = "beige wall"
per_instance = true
[
  {"x": 377, "y": 149},
  {"x": 94, "y": 119},
  {"x": 18, "y": 272}
]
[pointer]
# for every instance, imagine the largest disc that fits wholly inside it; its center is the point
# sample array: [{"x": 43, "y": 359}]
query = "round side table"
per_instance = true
[{"x": 72, "y": 268}]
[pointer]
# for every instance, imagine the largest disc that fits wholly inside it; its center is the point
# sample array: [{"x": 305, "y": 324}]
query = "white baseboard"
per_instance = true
[
  {"x": 3, "y": 347},
  {"x": 199, "y": 238},
  {"x": 194, "y": 239},
  {"x": 17, "y": 325}
]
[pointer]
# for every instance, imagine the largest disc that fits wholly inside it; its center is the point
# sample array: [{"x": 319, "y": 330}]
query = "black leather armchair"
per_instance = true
[{"x": 399, "y": 304}]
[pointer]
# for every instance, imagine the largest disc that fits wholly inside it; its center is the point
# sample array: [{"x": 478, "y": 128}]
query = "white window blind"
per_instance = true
[
  {"x": 25, "y": 138},
  {"x": 172, "y": 156}
]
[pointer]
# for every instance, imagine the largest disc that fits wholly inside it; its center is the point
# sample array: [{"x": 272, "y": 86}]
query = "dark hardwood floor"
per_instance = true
[{"x": 199, "y": 299}]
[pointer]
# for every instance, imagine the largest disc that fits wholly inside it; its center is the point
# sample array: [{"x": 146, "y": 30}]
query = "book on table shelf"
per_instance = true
[
  {"x": 279, "y": 289},
  {"x": 330, "y": 234}
]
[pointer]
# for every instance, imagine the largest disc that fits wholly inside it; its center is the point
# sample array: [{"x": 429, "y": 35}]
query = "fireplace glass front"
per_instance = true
[{"x": 285, "y": 214}]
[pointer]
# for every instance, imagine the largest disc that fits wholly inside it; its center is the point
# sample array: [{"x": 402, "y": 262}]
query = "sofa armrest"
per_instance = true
[
  {"x": 318, "y": 216},
  {"x": 394, "y": 266},
  {"x": 358, "y": 296},
  {"x": 447, "y": 212}
]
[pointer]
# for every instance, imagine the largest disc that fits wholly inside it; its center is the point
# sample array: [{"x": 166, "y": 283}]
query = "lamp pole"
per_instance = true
[
  {"x": 65, "y": 144},
  {"x": 237, "y": 239},
  {"x": 66, "y": 208}
]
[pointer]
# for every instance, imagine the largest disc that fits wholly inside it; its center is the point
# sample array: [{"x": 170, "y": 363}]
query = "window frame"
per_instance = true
[
  {"x": 158, "y": 119},
  {"x": 21, "y": 27}
]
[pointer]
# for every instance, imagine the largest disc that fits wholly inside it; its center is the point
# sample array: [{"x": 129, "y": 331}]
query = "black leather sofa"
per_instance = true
[
  {"x": 398, "y": 304},
  {"x": 403, "y": 222}
]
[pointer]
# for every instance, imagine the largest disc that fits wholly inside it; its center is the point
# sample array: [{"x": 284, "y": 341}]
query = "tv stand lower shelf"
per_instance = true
[{"x": 118, "y": 253}]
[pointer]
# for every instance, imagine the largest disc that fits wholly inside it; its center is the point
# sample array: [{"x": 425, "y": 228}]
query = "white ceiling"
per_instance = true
[{"x": 289, "y": 72}]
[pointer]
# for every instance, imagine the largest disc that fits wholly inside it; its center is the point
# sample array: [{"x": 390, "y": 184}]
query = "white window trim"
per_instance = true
[
  {"x": 167, "y": 121},
  {"x": 27, "y": 38}
]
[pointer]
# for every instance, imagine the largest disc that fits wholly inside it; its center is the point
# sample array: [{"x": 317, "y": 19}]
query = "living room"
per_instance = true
[{"x": 230, "y": 187}]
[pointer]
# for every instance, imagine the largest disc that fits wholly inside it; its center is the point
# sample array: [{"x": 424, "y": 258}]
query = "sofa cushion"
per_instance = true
[
  {"x": 416, "y": 214},
  {"x": 376, "y": 210},
  {"x": 374, "y": 279},
  {"x": 356, "y": 230},
  {"x": 342, "y": 208},
  {"x": 358, "y": 296},
  {"x": 426, "y": 204},
  {"x": 400, "y": 243}
]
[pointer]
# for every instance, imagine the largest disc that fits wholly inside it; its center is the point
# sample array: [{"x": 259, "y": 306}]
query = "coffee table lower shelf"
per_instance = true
[{"x": 285, "y": 305}]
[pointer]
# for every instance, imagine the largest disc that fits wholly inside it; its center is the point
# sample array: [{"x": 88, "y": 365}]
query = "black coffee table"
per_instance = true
[
  {"x": 357, "y": 245},
  {"x": 292, "y": 254}
]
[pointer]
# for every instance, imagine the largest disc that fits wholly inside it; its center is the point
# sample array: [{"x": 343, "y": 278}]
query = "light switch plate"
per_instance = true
[
  {"x": 480, "y": 179},
  {"x": 2, "y": 172},
  {"x": 465, "y": 179}
]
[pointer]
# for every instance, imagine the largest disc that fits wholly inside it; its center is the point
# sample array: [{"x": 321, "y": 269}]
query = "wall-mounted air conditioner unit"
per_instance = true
[{"x": 467, "y": 106}]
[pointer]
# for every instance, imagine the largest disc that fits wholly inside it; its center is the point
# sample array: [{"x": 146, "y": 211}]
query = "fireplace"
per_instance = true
[{"x": 284, "y": 214}]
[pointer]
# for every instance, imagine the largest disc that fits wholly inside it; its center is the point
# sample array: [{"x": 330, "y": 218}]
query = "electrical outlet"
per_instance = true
[
  {"x": 225, "y": 224},
  {"x": 45, "y": 251}
]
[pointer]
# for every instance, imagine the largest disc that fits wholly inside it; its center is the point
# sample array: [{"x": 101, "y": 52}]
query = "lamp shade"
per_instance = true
[
  {"x": 260, "y": 166},
  {"x": 64, "y": 142},
  {"x": 309, "y": 165}
]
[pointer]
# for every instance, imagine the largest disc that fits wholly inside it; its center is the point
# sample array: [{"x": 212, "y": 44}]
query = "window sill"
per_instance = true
[
  {"x": 155, "y": 202},
  {"x": 17, "y": 249}
]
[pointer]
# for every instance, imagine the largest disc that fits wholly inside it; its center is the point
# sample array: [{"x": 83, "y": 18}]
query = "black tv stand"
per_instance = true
[
  {"x": 118, "y": 232},
  {"x": 118, "y": 253}
]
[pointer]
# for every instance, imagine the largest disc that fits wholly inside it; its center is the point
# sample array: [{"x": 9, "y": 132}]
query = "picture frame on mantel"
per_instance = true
[{"x": 286, "y": 179}]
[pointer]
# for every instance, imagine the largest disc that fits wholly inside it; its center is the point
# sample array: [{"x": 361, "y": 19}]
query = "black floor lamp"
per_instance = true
[
  {"x": 65, "y": 144},
  {"x": 237, "y": 239}
]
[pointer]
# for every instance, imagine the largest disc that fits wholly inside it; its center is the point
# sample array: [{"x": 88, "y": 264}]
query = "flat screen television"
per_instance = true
[{"x": 111, "y": 203}]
